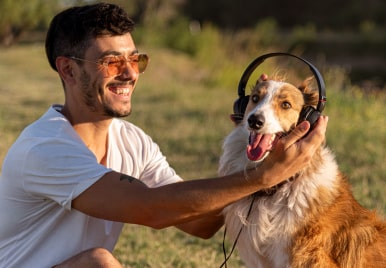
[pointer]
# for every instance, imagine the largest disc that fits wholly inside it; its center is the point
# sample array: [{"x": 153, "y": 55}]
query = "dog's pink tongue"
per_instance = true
[{"x": 258, "y": 145}]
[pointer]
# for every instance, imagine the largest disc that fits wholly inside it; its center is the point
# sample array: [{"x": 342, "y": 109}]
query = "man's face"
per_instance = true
[{"x": 108, "y": 93}]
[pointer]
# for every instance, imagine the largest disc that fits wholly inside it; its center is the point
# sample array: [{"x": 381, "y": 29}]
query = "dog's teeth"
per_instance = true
[{"x": 272, "y": 139}]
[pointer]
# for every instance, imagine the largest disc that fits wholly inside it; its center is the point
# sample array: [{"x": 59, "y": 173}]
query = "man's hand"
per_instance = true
[{"x": 292, "y": 153}]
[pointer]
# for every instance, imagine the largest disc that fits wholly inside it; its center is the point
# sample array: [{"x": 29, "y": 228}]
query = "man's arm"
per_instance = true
[
  {"x": 119, "y": 197},
  {"x": 204, "y": 227}
]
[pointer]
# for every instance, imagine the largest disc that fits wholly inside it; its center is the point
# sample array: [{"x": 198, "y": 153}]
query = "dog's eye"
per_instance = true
[
  {"x": 286, "y": 105},
  {"x": 255, "y": 98}
]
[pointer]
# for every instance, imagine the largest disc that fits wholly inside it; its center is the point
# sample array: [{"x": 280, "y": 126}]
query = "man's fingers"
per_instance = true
[
  {"x": 293, "y": 152},
  {"x": 317, "y": 135},
  {"x": 296, "y": 134},
  {"x": 263, "y": 77}
]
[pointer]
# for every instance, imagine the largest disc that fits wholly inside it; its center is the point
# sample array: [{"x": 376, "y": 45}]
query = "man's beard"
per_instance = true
[
  {"x": 91, "y": 100},
  {"x": 113, "y": 113}
]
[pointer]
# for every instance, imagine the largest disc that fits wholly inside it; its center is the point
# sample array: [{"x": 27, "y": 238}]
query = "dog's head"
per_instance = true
[{"x": 273, "y": 111}]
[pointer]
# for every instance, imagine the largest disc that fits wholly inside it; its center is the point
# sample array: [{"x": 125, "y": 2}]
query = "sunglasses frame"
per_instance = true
[{"x": 120, "y": 61}]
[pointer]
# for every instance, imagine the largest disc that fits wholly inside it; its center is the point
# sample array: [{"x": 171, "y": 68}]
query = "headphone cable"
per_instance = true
[{"x": 226, "y": 258}]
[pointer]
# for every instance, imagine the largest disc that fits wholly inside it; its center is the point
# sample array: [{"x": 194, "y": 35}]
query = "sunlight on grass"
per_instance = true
[{"x": 179, "y": 105}]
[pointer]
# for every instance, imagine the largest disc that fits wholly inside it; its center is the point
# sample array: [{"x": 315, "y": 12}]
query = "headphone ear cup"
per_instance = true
[
  {"x": 309, "y": 114},
  {"x": 240, "y": 105}
]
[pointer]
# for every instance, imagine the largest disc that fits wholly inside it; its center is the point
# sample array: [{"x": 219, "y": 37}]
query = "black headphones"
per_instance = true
[{"x": 308, "y": 113}]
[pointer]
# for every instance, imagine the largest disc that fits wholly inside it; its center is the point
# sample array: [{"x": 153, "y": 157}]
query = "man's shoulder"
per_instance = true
[{"x": 52, "y": 125}]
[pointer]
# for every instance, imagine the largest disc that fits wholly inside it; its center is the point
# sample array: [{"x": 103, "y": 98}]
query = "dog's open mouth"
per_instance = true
[{"x": 260, "y": 145}]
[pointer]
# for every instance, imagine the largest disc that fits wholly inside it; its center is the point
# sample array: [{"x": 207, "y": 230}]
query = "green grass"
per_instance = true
[
  {"x": 178, "y": 103},
  {"x": 27, "y": 88}
]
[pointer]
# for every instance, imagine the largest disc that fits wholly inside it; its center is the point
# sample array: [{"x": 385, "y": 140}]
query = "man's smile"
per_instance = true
[{"x": 121, "y": 90}]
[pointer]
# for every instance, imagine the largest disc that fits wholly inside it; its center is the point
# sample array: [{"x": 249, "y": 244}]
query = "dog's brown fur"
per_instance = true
[
  {"x": 312, "y": 220},
  {"x": 339, "y": 232}
]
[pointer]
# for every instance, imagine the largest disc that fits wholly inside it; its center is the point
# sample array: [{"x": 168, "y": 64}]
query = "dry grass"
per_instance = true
[{"x": 179, "y": 106}]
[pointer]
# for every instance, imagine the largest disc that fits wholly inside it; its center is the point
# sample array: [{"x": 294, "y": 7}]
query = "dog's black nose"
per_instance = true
[{"x": 256, "y": 121}]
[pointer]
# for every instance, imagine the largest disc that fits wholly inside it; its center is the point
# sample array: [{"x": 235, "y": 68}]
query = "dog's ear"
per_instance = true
[
  {"x": 306, "y": 85},
  {"x": 311, "y": 95}
]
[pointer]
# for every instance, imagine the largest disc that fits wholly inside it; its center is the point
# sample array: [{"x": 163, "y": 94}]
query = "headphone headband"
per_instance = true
[{"x": 254, "y": 64}]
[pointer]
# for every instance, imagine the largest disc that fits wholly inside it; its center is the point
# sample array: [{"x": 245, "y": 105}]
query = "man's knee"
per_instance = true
[
  {"x": 104, "y": 258},
  {"x": 95, "y": 257}
]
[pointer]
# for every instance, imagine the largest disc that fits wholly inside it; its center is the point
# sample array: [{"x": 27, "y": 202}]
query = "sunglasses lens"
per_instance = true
[
  {"x": 142, "y": 62},
  {"x": 115, "y": 65}
]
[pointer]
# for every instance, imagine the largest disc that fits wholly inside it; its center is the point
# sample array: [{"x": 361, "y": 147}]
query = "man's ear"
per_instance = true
[{"x": 65, "y": 69}]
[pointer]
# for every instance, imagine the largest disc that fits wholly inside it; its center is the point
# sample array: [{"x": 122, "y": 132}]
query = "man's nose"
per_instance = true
[{"x": 128, "y": 72}]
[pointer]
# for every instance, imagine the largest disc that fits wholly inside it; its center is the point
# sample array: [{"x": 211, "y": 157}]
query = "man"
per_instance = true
[{"x": 78, "y": 173}]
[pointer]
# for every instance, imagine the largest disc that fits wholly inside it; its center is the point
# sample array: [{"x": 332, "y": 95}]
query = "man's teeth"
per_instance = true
[{"x": 122, "y": 91}]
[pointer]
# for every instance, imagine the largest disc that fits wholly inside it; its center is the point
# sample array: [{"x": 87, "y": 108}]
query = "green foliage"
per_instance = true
[
  {"x": 178, "y": 36},
  {"x": 306, "y": 33},
  {"x": 264, "y": 34},
  {"x": 16, "y": 17}
]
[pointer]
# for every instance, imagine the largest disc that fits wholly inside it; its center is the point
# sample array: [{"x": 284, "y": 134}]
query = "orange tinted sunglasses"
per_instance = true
[{"x": 114, "y": 65}]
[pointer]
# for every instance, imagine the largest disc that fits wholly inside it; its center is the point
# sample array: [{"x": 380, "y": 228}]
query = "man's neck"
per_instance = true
[
  {"x": 95, "y": 137},
  {"x": 92, "y": 130}
]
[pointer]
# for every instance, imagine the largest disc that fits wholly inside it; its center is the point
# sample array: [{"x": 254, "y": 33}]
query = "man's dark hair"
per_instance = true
[{"x": 71, "y": 30}]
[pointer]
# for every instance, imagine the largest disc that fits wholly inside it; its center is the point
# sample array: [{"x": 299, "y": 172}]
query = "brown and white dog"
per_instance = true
[{"x": 311, "y": 220}]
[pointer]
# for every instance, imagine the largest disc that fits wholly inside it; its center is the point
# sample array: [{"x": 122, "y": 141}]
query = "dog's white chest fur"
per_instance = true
[{"x": 267, "y": 231}]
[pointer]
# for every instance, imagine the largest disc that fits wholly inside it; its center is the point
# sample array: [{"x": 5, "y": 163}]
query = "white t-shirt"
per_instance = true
[{"x": 46, "y": 168}]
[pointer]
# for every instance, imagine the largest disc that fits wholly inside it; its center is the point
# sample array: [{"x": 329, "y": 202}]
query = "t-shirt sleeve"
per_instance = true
[
  {"x": 151, "y": 166},
  {"x": 60, "y": 170},
  {"x": 157, "y": 171}
]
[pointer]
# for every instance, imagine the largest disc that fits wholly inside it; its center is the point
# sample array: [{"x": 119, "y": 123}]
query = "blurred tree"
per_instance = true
[
  {"x": 17, "y": 17},
  {"x": 132, "y": 7},
  {"x": 326, "y": 14},
  {"x": 152, "y": 13}
]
